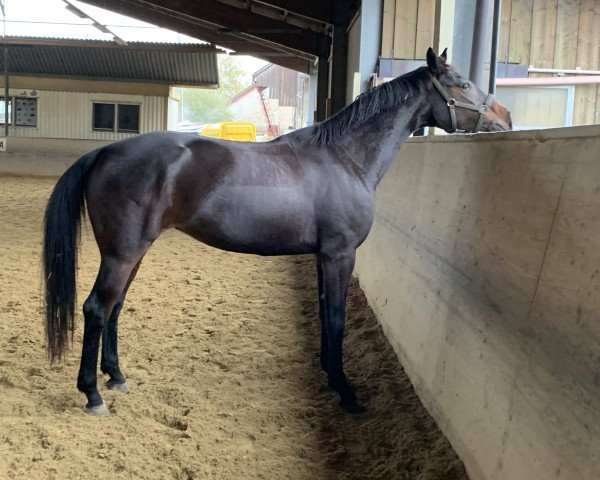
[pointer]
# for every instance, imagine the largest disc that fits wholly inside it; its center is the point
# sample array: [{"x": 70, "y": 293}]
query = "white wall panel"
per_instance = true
[{"x": 69, "y": 115}]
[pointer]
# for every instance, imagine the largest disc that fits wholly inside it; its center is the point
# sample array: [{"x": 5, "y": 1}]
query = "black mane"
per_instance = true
[{"x": 380, "y": 99}]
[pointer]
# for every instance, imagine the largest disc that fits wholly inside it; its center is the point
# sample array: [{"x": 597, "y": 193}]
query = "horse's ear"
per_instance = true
[
  {"x": 435, "y": 64},
  {"x": 444, "y": 55}
]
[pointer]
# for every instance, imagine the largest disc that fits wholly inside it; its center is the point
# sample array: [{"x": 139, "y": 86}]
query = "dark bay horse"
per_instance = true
[{"x": 310, "y": 191}]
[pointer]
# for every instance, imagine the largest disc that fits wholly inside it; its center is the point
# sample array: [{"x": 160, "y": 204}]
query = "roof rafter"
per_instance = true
[
  {"x": 229, "y": 19},
  {"x": 320, "y": 10},
  {"x": 204, "y": 30}
]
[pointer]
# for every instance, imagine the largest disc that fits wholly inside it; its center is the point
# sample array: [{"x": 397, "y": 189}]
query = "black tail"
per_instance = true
[{"x": 62, "y": 223}]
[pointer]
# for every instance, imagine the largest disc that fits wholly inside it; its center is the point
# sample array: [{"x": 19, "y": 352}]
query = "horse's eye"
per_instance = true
[{"x": 465, "y": 86}]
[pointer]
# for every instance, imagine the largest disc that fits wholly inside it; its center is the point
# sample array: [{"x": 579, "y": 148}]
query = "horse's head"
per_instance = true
[{"x": 458, "y": 105}]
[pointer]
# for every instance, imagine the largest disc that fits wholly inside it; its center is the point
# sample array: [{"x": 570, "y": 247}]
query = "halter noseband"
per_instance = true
[{"x": 452, "y": 104}]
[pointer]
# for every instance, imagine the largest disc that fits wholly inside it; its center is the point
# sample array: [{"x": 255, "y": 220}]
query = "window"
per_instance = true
[
  {"x": 26, "y": 112},
  {"x": 104, "y": 116},
  {"x": 534, "y": 107},
  {"x": 113, "y": 117},
  {"x": 2, "y": 111},
  {"x": 129, "y": 118}
]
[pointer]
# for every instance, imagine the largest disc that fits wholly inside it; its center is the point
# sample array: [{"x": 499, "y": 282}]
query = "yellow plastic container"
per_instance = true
[{"x": 237, "y": 131}]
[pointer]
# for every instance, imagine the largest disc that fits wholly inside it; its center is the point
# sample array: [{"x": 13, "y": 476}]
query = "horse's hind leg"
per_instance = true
[
  {"x": 111, "y": 282},
  {"x": 109, "y": 363}
]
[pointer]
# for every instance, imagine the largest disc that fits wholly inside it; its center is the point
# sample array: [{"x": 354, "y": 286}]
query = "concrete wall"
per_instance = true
[
  {"x": 483, "y": 267},
  {"x": 43, "y": 156}
]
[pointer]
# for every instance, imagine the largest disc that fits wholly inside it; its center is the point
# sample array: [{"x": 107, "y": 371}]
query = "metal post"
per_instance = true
[
  {"x": 495, "y": 38},
  {"x": 480, "y": 36},
  {"x": 6, "y": 94},
  {"x": 312, "y": 94}
]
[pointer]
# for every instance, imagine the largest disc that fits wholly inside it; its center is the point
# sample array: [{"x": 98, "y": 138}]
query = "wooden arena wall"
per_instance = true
[
  {"x": 483, "y": 267},
  {"x": 555, "y": 34},
  {"x": 542, "y": 33}
]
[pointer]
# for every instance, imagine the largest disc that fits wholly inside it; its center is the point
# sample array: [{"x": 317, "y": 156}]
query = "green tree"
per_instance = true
[
  {"x": 210, "y": 106},
  {"x": 231, "y": 76}
]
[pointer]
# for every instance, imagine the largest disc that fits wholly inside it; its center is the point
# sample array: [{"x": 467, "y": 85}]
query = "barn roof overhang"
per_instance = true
[
  {"x": 290, "y": 33},
  {"x": 173, "y": 64}
]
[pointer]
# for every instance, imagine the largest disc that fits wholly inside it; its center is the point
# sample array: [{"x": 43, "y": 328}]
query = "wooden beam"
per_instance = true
[
  {"x": 425, "y": 27},
  {"x": 505, "y": 24},
  {"x": 320, "y": 10},
  {"x": 521, "y": 22},
  {"x": 387, "y": 29},
  {"x": 543, "y": 33},
  {"x": 271, "y": 53},
  {"x": 567, "y": 31},
  {"x": 232, "y": 20},
  {"x": 405, "y": 29}
]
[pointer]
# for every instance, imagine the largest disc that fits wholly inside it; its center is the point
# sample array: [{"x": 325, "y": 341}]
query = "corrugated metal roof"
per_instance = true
[{"x": 173, "y": 64}]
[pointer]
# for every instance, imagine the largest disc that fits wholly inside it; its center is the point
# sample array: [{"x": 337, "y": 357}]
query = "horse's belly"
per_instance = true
[{"x": 259, "y": 220}]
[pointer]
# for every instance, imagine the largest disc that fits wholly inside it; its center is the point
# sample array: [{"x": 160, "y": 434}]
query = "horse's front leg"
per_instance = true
[{"x": 337, "y": 269}]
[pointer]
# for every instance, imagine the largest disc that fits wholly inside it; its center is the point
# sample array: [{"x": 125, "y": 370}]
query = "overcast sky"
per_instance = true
[{"x": 50, "y": 18}]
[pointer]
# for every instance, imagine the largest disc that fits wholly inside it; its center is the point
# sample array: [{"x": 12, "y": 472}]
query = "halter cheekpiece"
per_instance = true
[{"x": 453, "y": 103}]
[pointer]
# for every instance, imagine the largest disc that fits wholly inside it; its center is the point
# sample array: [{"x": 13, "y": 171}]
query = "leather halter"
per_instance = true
[{"x": 452, "y": 104}]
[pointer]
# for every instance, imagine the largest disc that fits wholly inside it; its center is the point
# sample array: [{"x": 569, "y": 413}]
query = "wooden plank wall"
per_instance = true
[
  {"x": 542, "y": 33},
  {"x": 408, "y": 27},
  {"x": 555, "y": 34}
]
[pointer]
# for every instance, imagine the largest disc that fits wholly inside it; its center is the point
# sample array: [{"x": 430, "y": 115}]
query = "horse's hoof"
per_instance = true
[
  {"x": 97, "y": 410},
  {"x": 353, "y": 407},
  {"x": 117, "y": 386}
]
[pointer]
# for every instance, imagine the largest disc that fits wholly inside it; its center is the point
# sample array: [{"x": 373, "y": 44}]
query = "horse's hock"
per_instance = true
[{"x": 483, "y": 267}]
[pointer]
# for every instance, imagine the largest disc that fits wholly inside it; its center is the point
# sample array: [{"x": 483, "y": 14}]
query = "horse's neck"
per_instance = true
[{"x": 375, "y": 144}]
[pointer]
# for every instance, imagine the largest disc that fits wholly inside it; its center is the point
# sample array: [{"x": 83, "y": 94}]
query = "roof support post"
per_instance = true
[
  {"x": 7, "y": 114},
  {"x": 339, "y": 57},
  {"x": 322, "y": 88},
  {"x": 322, "y": 72},
  {"x": 312, "y": 93}
]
